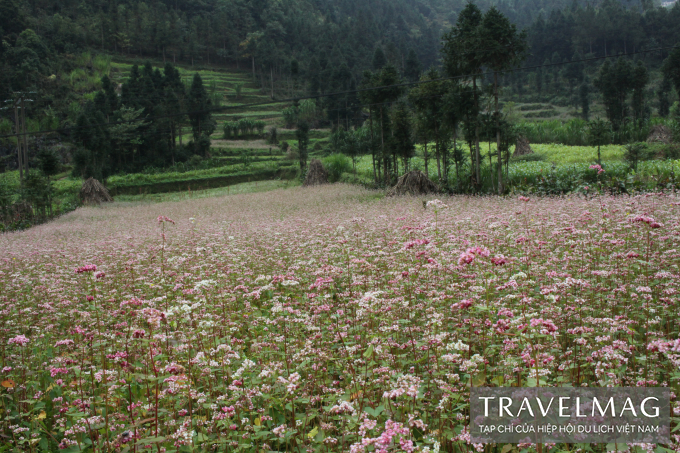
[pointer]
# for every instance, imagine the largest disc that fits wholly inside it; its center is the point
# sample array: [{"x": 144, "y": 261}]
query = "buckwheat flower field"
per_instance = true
[{"x": 326, "y": 320}]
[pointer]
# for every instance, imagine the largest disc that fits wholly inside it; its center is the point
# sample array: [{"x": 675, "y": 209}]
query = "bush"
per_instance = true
[
  {"x": 635, "y": 153},
  {"x": 284, "y": 146},
  {"x": 273, "y": 138},
  {"x": 337, "y": 164},
  {"x": 535, "y": 157}
]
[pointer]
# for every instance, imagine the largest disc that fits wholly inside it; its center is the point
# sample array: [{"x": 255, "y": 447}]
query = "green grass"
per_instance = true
[
  {"x": 561, "y": 154},
  {"x": 133, "y": 179},
  {"x": 246, "y": 187}
]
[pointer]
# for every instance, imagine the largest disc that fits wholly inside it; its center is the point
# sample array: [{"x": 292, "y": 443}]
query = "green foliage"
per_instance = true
[
  {"x": 535, "y": 157},
  {"x": 671, "y": 68},
  {"x": 635, "y": 153},
  {"x": 302, "y": 134},
  {"x": 199, "y": 105},
  {"x": 48, "y": 162},
  {"x": 615, "y": 82},
  {"x": 337, "y": 164},
  {"x": 273, "y": 138}
]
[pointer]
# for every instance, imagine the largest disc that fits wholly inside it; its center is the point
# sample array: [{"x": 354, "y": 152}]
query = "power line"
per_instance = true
[{"x": 340, "y": 93}]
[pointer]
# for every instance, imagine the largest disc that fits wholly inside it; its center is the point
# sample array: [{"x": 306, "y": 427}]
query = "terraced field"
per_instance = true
[{"x": 223, "y": 88}]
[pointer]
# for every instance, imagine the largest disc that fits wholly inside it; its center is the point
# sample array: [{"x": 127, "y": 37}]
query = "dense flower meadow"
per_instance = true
[{"x": 326, "y": 319}]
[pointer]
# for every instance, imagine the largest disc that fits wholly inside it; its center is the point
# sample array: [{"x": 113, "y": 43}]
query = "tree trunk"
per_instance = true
[
  {"x": 25, "y": 137},
  {"x": 426, "y": 160},
  {"x": 382, "y": 146},
  {"x": 478, "y": 176},
  {"x": 437, "y": 154},
  {"x": 271, "y": 75},
  {"x": 20, "y": 161},
  {"x": 370, "y": 120},
  {"x": 498, "y": 135}
]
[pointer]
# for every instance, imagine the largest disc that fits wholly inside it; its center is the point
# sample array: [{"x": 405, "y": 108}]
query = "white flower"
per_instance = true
[
  {"x": 204, "y": 284},
  {"x": 437, "y": 204}
]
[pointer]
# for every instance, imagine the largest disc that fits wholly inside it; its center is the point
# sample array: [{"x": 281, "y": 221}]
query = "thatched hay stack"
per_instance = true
[
  {"x": 661, "y": 134},
  {"x": 94, "y": 192},
  {"x": 413, "y": 183},
  {"x": 316, "y": 174},
  {"x": 523, "y": 147}
]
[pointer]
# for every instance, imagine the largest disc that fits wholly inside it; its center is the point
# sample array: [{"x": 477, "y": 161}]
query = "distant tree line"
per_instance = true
[{"x": 143, "y": 126}]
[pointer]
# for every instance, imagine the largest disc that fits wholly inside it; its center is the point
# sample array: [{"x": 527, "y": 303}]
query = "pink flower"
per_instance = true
[
  {"x": 466, "y": 258},
  {"x": 648, "y": 220},
  {"x": 87, "y": 268},
  {"x": 599, "y": 169},
  {"x": 19, "y": 339},
  {"x": 162, "y": 218},
  {"x": 470, "y": 254},
  {"x": 499, "y": 260}
]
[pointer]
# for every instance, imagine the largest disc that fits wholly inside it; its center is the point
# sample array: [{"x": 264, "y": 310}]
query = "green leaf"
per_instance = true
[
  {"x": 313, "y": 432},
  {"x": 369, "y": 352},
  {"x": 479, "y": 379}
]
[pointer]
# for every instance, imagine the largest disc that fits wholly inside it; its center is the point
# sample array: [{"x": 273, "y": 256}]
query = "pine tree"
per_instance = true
[
  {"x": 402, "y": 134},
  {"x": 671, "y": 68},
  {"x": 314, "y": 77},
  {"x": 502, "y": 48},
  {"x": 202, "y": 125},
  {"x": 302, "y": 135},
  {"x": 379, "y": 60},
  {"x": 459, "y": 50},
  {"x": 412, "y": 66},
  {"x": 663, "y": 95},
  {"x": 584, "y": 97},
  {"x": 615, "y": 83},
  {"x": 638, "y": 84}
]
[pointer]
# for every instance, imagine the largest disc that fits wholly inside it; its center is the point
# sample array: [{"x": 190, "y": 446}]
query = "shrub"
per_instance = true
[
  {"x": 260, "y": 125},
  {"x": 635, "y": 153},
  {"x": 535, "y": 157},
  {"x": 284, "y": 146},
  {"x": 273, "y": 138},
  {"x": 337, "y": 164}
]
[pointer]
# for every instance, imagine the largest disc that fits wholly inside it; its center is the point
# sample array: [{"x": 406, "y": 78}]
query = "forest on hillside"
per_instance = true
[
  {"x": 306, "y": 39},
  {"x": 431, "y": 74}
]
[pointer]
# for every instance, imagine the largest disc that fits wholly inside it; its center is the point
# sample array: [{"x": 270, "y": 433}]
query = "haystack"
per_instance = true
[
  {"x": 413, "y": 183},
  {"x": 661, "y": 134},
  {"x": 316, "y": 174},
  {"x": 94, "y": 192},
  {"x": 523, "y": 147}
]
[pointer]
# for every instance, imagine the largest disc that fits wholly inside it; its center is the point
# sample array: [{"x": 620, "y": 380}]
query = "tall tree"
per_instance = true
[
  {"x": 503, "y": 47},
  {"x": 663, "y": 96},
  {"x": 671, "y": 68},
  {"x": 460, "y": 51},
  {"x": 379, "y": 59},
  {"x": 402, "y": 134},
  {"x": 302, "y": 135},
  {"x": 412, "y": 66},
  {"x": 584, "y": 97},
  {"x": 202, "y": 125},
  {"x": 638, "y": 83},
  {"x": 615, "y": 81}
]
